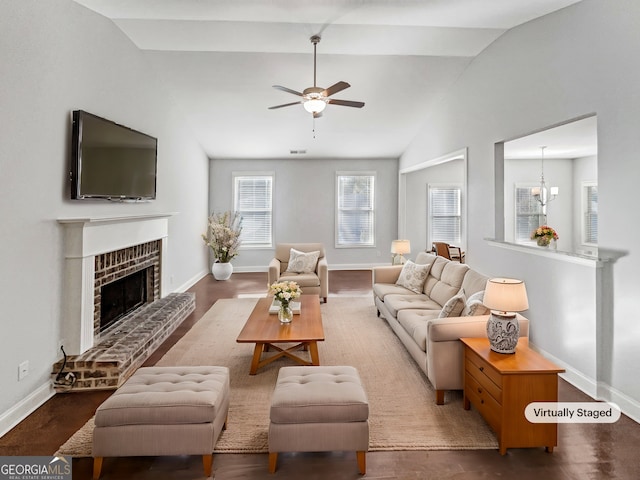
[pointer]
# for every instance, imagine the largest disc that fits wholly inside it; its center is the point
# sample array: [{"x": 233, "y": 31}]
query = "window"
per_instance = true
[
  {"x": 445, "y": 214},
  {"x": 528, "y": 213},
  {"x": 355, "y": 209},
  {"x": 590, "y": 213},
  {"x": 253, "y": 199}
]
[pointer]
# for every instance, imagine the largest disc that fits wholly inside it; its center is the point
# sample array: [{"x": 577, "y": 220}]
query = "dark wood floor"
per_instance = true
[{"x": 585, "y": 451}]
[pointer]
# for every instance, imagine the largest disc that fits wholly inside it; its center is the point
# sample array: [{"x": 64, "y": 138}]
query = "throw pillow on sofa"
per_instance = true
[
  {"x": 301, "y": 262},
  {"x": 473, "y": 301},
  {"x": 413, "y": 276},
  {"x": 453, "y": 307},
  {"x": 475, "y": 308}
]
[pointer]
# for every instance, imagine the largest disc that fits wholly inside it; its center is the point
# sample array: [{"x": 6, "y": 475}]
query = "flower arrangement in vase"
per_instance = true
[
  {"x": 285, "y": 293},
  {"x": 223, "y": 238},
  {"x": 543, "y": 235}
]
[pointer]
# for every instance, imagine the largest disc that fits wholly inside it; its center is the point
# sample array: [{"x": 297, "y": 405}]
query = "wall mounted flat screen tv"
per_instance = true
[{"x": 111, "y": 161}]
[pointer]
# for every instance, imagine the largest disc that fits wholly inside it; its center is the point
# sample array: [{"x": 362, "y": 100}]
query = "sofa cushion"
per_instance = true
[
  {"x": 395, "y": 303},
  {"x": 434, "y": 274},
  {"x": 415, "y": 324},
  {"x": 413, "y": 276},
  {"x": 453, "y": 307},
  {"x": 450, "y": 282},
  {"x": 302, "y": 279},
  {"x": 302, "y": 262},
  {"x": 381, "y": 290},
  {"x": 474, "y": 282},
  {"x": 422, "y": 258}
]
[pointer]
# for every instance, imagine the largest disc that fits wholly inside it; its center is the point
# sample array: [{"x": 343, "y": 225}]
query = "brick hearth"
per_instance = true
[{"x": 123, "y": 348}]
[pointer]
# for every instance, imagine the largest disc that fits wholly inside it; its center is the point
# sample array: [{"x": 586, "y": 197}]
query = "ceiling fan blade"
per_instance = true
[
  {"x": 285, "y": 105},
  {"x": 288, "y": 90},
  {"x": 338, "y": 87},
  {"x": 346, "y": 103}
]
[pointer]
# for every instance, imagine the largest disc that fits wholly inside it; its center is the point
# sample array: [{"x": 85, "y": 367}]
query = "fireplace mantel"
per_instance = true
[{"x": 84, "y": 238}]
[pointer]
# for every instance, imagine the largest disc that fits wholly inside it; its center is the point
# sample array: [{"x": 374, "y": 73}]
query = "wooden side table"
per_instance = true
[{"x": 500, "y": 386}]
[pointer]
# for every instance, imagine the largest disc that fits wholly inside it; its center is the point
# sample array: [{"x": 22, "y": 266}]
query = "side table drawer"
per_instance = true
[
  {"x": 485, "y": 375},
  {"x": 488, "y": 406}
]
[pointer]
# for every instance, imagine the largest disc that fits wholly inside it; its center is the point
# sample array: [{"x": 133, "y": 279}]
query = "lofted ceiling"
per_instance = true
[{"x": 220, "y": 58}]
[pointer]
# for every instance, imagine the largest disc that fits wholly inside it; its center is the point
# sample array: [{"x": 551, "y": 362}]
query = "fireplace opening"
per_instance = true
[{"x": 121, "y": 297}]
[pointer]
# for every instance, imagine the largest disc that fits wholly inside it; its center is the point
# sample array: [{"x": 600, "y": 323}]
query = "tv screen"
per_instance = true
[{"x": 111, "y": 161}]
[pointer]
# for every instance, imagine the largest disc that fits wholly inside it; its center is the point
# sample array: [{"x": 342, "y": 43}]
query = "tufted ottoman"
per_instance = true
[
  {"x": 163, "y": 411},
  {"x": 319, "y": 409}
]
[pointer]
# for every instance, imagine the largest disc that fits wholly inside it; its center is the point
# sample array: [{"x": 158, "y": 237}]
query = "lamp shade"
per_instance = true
[
  {"x": 400, "y": 247},
  {"x": 506, "y": 295}
]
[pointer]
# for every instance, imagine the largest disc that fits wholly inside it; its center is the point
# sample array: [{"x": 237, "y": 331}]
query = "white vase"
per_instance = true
[{"x": 222, "y": 271}]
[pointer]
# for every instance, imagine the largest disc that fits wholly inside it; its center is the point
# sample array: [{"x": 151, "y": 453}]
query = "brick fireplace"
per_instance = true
[{"x": 102, "y": 252}]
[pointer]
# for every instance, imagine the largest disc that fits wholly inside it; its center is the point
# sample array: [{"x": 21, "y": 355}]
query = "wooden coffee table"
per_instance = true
[{"x": 265, "y": 330}]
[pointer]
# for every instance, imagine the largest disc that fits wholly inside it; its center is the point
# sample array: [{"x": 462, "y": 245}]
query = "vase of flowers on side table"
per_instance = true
[
  {"x": 285, "y": 293},
  {"x": 544, "y": 235},
  {"x": 223, "y": 238}
]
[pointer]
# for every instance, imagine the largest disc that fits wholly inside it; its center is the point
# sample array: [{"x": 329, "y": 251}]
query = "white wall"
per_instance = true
[
  {"x": 577, "y": 61},
  {"x": 416, "y": 192},
  {"x": 304, "y": 206},
  {"x": 56, "y": 57}
]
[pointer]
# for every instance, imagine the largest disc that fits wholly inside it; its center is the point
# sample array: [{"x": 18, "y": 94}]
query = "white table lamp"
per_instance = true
[
  {"x": 398, "y": 249},
  {"x": 504, "y": 297}
]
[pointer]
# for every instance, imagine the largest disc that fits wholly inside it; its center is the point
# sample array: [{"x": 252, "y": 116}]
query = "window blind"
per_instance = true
[
  {"x": 528, "y": 212},
  {"x": 591, "y": 215},
  {"x": 445, "y": 219},
  {"x": 253, "y": 199},
  {"x": 355, "y": 212}
]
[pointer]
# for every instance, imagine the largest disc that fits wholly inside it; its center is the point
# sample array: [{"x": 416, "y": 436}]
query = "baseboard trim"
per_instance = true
[
  {"x": 596, "y": 390},
  {"x": 191, "y": 282},
  {"x": 24, "y": 408}
]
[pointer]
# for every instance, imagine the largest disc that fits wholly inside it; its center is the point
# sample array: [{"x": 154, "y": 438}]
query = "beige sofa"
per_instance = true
[
  {"x": 315, "y": 282},
  {"x": 434, "y": 342}
]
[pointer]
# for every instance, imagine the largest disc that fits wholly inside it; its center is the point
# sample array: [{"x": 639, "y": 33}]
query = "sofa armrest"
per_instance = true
[
  {"x": 445, "y": 352},
  {"x": 455, "y": 328},
  {"x": 386, "y": 274},
  {"x": 274, "y": 271},
  {"x": 322, "y": 271}
]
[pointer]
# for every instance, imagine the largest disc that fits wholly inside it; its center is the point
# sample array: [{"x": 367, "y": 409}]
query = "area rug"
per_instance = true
[{"x": 403, "y": 414}]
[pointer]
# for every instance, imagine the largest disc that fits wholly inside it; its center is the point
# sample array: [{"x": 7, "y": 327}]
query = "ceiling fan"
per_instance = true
[{"x": 315, "y": 99}]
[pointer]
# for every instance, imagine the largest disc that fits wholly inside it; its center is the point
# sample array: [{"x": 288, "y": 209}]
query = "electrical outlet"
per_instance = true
[
  {"x": 23, "y": 370},
  {"x": 61, "y": 343}
]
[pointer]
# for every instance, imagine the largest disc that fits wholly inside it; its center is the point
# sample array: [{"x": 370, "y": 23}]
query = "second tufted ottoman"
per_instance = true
[
  {"x": 319, "y": 409},
  {"x": 163, "y": 411}
]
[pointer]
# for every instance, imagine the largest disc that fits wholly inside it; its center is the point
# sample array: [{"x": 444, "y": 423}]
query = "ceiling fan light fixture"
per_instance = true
[{"x": 314, "y": 105}]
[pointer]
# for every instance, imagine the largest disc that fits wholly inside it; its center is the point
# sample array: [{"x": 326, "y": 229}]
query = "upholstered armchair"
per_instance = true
[{"x": 311, "y": 275}]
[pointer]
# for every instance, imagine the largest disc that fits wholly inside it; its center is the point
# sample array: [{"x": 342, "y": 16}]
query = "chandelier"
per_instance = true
[{"x": 543, "y": 194}]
